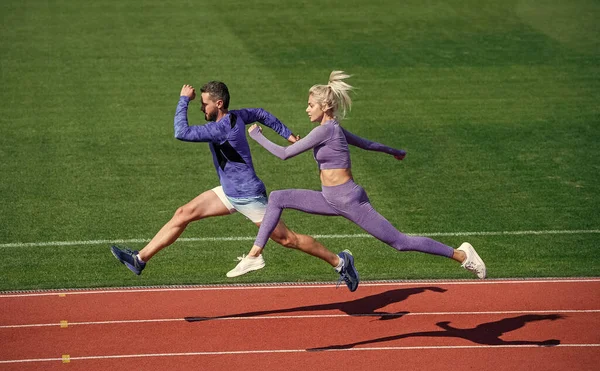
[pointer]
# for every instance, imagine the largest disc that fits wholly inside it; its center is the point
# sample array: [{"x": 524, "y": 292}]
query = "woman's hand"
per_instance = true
[{"x": 254, "y": 126}]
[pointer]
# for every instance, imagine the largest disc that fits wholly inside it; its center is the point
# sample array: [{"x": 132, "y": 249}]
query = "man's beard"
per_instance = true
[{"x": 211, "y": 117}]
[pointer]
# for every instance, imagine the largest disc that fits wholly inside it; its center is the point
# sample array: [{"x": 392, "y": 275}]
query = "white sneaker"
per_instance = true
[
  {"x": 473, "y": 262},
  {"x": 246, "y": 264}
]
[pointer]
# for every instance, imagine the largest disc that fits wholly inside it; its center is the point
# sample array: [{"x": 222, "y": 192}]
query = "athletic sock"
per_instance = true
[
  {"x": 340, "y": 265},
  {"x": 140, "y": 259}
]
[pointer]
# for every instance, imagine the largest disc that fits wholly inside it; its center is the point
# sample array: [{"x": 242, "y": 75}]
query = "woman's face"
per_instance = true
[{"x": 314, "y": 110}]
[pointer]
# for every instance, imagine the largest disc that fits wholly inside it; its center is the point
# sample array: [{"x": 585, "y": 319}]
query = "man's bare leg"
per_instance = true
[
  {"x": 205, "y": 205},
  {"x": 288, "y": 238}
]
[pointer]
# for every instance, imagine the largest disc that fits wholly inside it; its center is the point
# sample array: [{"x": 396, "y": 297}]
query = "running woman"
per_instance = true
[
  {"x": 240, "y": 188},
  {"x": 340, "y": 195}
]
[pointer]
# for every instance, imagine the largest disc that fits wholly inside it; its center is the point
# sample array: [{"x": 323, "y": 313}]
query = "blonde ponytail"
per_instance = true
[{"x": 335, "y": 95}]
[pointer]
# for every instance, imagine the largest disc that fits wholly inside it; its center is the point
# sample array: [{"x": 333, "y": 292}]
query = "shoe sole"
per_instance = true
[
  {"x": 351, "y": 264},
  {"x": 477, "y": 258},
  {"x": 133, "y": 269},
  {"x": 232, "y": 274},
  {"x": 480, "y": 261}
]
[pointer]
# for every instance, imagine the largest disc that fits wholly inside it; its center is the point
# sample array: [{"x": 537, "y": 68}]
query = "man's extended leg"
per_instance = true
[
  {"x": 288, "y": 238},
  {"x": 205, "y": 205},
  {"x": 342, "y": 262}
]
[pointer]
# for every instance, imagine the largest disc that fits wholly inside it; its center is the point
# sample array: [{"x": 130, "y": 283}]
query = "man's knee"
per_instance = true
[
  {"x": 183, "y": 215},
  {"x": 286, "y": 239}
]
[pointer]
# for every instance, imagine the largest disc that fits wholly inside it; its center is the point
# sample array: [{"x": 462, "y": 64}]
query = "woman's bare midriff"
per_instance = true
[{"x": 334, "y": 177}]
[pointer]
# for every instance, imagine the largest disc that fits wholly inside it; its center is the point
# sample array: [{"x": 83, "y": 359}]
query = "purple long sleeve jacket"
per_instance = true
[{"x": 229, "y": 146}]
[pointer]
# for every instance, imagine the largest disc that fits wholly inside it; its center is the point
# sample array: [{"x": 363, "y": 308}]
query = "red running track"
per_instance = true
[{"x": 441, "y": 325}]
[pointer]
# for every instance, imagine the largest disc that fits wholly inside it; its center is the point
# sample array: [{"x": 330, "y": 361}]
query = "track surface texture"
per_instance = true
[{"x": 543, "y": 324}]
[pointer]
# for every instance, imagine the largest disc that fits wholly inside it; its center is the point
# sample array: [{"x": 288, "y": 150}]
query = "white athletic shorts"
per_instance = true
[{"x": 253, "y": 208}]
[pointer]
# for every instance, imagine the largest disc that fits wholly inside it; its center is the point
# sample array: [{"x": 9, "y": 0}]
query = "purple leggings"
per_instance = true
[{"x": 350, "y": 201}]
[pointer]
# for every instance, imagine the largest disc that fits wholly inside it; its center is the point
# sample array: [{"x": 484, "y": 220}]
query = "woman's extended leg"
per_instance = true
[
  {"x": 351, "y": 201},
  {"x": 311, "y": 202}
]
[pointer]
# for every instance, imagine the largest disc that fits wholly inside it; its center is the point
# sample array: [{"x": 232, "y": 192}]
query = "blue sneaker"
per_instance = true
[
  {"x": 349, "y": 273},
  {"x": 129, "y": 258}
]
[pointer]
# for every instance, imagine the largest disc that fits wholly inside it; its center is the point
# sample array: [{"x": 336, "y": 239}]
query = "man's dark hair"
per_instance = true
[{"x": 217, "y": 90}]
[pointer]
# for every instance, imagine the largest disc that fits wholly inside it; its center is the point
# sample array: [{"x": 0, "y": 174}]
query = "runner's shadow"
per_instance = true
[
  {"x": 487, "y": 333},
  {"x": 367, "y": 306}
]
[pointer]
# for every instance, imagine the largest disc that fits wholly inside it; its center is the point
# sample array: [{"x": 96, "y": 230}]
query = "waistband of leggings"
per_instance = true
[{"x": 344, "y": 187}]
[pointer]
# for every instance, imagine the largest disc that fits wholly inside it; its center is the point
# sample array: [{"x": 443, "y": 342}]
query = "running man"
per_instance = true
[{"x": 240, "y": 188}]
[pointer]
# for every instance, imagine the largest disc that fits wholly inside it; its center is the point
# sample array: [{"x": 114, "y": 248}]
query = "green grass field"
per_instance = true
[{"x": 496, "y": 102}]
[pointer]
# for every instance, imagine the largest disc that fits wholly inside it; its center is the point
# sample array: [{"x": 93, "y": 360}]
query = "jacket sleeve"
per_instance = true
[
  {"x": 251, "y": 115},
  {"x": 209, "y": 132}
]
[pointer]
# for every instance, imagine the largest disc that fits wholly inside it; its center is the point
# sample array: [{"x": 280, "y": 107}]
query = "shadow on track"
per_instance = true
[
  {"x": 367, "y": 306},
  {"x": 486, "y": 333}
]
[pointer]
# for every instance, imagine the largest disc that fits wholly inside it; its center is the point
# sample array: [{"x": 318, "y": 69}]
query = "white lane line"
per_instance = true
[
  {"x": 278, "y": 351},
  {"x": 287, "y": 285},
  {"x": 300, "y": 316},
  {"x": 321, "y": 236},
  {"x": 69, "y": 324}
]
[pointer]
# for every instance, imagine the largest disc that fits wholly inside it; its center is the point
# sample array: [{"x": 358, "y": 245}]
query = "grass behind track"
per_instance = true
[{"x": 495, "y": 102}]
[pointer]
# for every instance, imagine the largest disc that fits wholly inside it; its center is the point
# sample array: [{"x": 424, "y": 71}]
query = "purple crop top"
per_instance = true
[{"x": 330, "y": 145}]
